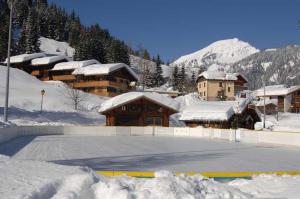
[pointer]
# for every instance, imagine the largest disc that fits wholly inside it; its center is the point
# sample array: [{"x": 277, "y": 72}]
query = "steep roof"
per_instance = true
[
  {"x": 220, "y": 75},
  {"x": 132, "y": 96},
  {"x": 74, "y": 64},
  {"x": 47, "y": 60},
  {"x": 276, "y": 90},
  {"x": 24, "y": 57},
  {"x": 103, "y": 69}
]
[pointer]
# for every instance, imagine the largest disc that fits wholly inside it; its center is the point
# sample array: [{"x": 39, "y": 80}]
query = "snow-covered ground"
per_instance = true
[
  {"x": 287, "y": 122},
  {"x": 28, "y": 179},
  {"x": 153, "y": 153},
  {"x": 25, "y": 101},
  {"x": 55, "y": 47}
]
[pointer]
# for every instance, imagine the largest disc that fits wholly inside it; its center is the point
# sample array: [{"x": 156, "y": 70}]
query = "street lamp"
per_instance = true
[
  {"x": 5, "y": 114},
  {"x": 42, "y": 93},
  {"x": 264, "y": 82}
]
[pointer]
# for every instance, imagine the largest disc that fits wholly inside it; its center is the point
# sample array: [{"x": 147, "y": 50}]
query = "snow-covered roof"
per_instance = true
[
  {"x": 74, "y": 64},
  {"x": 47, "y": 60},
  {"x": 219, "y": 75},
  {"x": 103, "y": 69},
  {"x": 276, "y": 90},
  {"x": 207, "y": 111},
  {"x": 132, "y": 96},
  {"x": 25, "y": 57},
  {"x": 267, "y": 102}
]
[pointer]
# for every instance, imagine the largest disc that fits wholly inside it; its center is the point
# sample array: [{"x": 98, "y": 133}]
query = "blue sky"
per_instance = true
[{"x": 176, "y": 27}]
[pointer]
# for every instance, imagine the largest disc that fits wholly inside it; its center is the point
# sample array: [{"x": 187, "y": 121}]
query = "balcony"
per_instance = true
[
  {"x": 64, "y": 78},
  {"x": 97, "y": 84},
  {"x": 35, "y": 73}
]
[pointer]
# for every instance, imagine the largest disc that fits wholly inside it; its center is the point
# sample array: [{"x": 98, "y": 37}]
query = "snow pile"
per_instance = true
[
  {"x": 276, "y": 90},
  {"x": 25, "y": 101},
  {"x": 24, "y": 57},
  {"x": 206, "y": 111},
  {"x": 47, "y": 60},
  {"x": 103, "y": 69},
  {"x": 132, "y": 96},
  {"x": 74, "y": 64},
  {"x": 223, "y": 51},
  {"x": 33, "y": 179},
  {"x": 51, "y": 46}
]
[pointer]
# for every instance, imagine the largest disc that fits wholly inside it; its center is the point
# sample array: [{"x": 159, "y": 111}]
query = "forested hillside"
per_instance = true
[{"x": 33, "y": 19}]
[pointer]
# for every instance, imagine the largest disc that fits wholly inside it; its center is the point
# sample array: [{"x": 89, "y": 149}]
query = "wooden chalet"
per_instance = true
[
  {"x": 287, "y": 99},
  {"x": 23, "y": 62},
  {"x": 40, "y": 67},
  {"x": 223, "y": 115},
  {"x": 105, "y": 79},
  {"x": 139, "y": 109},
  {"x": 63, "y": 71}
]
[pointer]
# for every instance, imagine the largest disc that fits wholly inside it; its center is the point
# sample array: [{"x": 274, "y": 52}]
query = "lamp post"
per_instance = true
[
  {"x": 42, "y": 93},
  {"x": 264, "y": 123},
  {"x": 5, "y": 114}
]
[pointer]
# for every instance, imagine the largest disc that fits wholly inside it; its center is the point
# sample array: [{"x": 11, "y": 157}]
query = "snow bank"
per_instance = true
[
  {"x": 51, "y": 46},
  {"x": 25, "y": 101},
  {"x": 34, "y": 179},
  {"x": 276, "y": 90},
  {"x": 103, "y": 69},
  {"x": 25, "y": 57},
  {"x": 74, "y": 64},
  {"x": 47, "y": 60},
  {"x": 131, "y": 96}
]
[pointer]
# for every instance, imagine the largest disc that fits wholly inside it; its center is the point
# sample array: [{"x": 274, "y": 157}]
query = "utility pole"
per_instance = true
[
  {"x": 264, "y": 82},
  {"x": 8, "y": 64}
]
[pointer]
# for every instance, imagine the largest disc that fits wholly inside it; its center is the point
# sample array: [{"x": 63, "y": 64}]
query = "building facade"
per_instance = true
[{"x": 220, "y": 86}]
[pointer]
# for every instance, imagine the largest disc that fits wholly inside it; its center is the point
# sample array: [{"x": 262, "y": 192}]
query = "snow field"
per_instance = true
[{"x": 24, "y": 179}]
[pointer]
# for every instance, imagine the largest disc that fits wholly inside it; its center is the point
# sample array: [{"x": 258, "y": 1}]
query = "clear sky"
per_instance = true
[{"x": 176, "y": 27}]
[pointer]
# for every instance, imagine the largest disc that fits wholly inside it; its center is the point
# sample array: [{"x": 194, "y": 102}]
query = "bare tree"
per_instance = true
[{"x": 76, "y": 97}]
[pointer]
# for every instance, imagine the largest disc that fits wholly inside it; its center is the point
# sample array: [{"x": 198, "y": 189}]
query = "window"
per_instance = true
[
  {"x": 204, "y": 84},
  {"x": 199, "y": 85},
  {"x": 200, "y": 94},
  {"x": 220, "y": 84},
  {"x": 111, "y": 89},
  {"x": 228, "y": 89},
  {"x": 204, "y": 93},
  {"x": 153, "y": 121}
]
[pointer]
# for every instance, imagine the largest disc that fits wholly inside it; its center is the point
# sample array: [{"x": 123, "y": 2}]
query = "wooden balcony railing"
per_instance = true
[
  {"x": 35, "y": 72},
  {"x": 97, "y": 84},
  {"x": 64, "y": 77}
]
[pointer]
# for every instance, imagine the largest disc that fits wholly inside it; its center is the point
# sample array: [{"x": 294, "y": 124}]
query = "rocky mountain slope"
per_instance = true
[{"x": 280, "y": 66}]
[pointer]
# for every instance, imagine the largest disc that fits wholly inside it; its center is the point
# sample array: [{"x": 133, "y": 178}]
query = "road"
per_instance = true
[{"x": 154, "y": 153}]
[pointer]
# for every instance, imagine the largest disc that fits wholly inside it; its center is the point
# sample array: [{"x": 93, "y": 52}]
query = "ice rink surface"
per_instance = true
[{"x": 176, "y": 154}]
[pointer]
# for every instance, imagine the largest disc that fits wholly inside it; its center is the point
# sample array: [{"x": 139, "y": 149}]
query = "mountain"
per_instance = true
[
  {"x": 279, "y": 65},
  {"x": 222, "y": 52}
]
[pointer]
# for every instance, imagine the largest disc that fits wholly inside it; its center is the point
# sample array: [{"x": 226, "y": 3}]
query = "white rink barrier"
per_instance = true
[{"x": 240, "y": 135}]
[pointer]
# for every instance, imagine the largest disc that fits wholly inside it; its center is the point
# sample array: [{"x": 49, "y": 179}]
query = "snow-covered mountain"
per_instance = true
[
  {"x": 223, "y": 52},
  {"x": 279, "y": 65}
]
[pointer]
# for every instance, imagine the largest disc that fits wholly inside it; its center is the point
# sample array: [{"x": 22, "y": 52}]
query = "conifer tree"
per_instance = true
[
  {"x": 175, "y": 78},
  {"x": 158, "y": 77},
  {"x": 32, "y": 33},
  {"x": 182, "y": 79}
]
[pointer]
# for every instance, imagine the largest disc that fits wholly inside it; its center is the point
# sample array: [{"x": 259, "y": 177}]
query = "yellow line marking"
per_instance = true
[{"x": 150, "y": 174}]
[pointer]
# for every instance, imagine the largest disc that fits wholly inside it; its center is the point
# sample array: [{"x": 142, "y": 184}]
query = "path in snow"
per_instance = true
[{"x": 153, "y": 153}]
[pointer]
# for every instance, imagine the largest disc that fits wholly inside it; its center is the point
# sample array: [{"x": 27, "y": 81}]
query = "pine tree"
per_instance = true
[
  {"x": 32, "y": 33},
  {"x": 158, "y": 77},
  {"x": 182, "y": 79},
  {"x": 193, "y": 78},
  {"x": 175, "y": 78}
]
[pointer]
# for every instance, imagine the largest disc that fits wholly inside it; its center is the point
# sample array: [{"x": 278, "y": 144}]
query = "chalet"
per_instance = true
[
  {"x": 63, "y": 71},
  {"x": 287, "y": 99},
  {"x": 139, "y": 109},
  {"x": 220, "y": 86},
  {"x": 105, "y": 79},
  {"x": 40, "y": 67},
  {"x": 227, "y": 114},
  {"x": 23, "y": 62}
]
